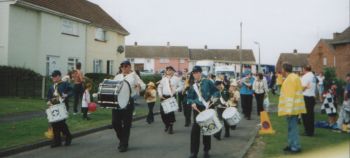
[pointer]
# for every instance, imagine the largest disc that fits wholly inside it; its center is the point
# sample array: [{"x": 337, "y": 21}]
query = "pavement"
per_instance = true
[{"x": 150, "y": 141}]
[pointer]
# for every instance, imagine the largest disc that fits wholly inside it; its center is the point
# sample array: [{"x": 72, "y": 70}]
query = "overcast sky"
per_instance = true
[{"x": 278, "y": 25}]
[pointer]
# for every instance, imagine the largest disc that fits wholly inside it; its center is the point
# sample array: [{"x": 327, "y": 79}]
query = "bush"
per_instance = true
[
  {"x": 330, "y": 78},
  {"x": 20, "y": 82},
  {"x": 96, "y": 79}
]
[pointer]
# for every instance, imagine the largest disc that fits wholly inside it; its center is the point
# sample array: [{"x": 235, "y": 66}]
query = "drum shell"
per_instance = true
[
  {"x": 108, "y": 92},
  {"x": 56, "y": 113},
  {"x": 169, "y": 105},
  {"x": 211, "y": 124},
  {"x": 231, "y": 116}
]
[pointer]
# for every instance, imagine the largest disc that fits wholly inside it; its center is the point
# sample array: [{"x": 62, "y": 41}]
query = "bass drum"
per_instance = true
[{"x": 114, "y": 94}]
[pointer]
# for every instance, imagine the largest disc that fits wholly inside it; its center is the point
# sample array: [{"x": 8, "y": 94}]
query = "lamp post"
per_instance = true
[{"x": 257, "y": 43}]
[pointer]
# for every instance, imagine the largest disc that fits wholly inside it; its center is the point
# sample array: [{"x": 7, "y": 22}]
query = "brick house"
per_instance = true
[
  {"x": 332, "y": 53},
  {"x": 298, "y": 60},
  {"x": 155, "y": 58}
]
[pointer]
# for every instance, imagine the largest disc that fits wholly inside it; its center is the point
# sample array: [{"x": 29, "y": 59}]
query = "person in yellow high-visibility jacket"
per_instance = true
[
  {"x": 291, "y": 104},
  {"x": 279, "y": 81}
]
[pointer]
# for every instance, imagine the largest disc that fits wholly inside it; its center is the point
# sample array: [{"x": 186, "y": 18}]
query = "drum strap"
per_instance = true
[{"x": 201, "y": 99}]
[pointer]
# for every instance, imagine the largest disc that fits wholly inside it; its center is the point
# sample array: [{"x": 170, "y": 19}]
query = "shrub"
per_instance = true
[{"x": 330, "y": 78}]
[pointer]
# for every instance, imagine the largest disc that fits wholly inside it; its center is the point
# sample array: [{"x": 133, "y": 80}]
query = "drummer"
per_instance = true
[
  {"x": 168, "y": 87},
  {"x": 221, "y": 105},
  {"x": 122, "y": 118},
  {"x": 57, "y": 93},
  {"x": 234, "y": 98},
  {"x": 204, "y": 89}
]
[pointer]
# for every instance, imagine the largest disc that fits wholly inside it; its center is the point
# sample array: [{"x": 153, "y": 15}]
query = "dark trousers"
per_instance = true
[
  {"x": 227, "y": 126},
  {"x": 259, "y": 102},
  {"x": 57, "y": 128},
  {"x": 121, "y": 122},
  {"x": 187, "y": 109},
  {"x": 180, "y": 100},
  {"x": 195, "y": 135},
  {"x": 169, "y": 118},
  {"x": 309, "y": 117},
  {"x": 150, "y": 116},
  {"x": 78, "y": 95},
  {"x": 66, "y": 103},
  {"x": 84, "y": 111},
  {"x": 246, "y": 103}
]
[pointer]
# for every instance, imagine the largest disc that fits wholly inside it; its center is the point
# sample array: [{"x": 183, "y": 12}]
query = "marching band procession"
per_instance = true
[{"x": 213, "y": 102}]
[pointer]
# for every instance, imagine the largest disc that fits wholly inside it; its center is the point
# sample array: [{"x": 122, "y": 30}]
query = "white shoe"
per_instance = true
[{"x": 133, "y": 114}]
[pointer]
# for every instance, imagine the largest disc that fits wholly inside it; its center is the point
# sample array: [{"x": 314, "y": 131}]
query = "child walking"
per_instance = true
[{"x": 150, "y": 96}]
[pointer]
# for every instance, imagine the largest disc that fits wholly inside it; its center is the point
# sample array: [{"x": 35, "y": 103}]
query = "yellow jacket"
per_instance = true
[
  {"x": 279, "y": 79},
  {"x": 291, "y": 101}
]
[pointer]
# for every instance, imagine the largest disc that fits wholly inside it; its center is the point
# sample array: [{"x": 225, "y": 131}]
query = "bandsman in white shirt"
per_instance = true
[
  {"x": 122, "y": 118},
  {"x": 308, "y": 82},
  {"x": 167, "y": 88}
]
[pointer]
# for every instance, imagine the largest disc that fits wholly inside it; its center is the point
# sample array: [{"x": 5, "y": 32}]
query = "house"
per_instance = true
[
  {"x": 56, "y": 34},
  {"x": 228, "y": 57},
  {"x": 155, "y": 58},
  {"x": 296, "y": 59},
  {"x": 332, "y": 53},
  {"x": 322, "y": 55}
]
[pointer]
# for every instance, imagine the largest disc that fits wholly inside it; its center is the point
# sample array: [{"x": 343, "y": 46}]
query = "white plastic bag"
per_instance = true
[{"x": 266, "y": 104}]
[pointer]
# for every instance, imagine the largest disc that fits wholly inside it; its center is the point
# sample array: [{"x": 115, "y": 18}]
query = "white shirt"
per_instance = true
[
  {"x": 165, "y": 89},
  {"x": 320, "y": 80},
  {"x": 133, "y": 80},
  {"x": 86, "y": 99},
  {"x": 309, "y": 79},
  {"x": 260, "y": 87}
]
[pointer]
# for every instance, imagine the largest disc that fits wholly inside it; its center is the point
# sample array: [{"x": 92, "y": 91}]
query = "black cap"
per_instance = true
[
  {"x": 196, "y": 69},
  {"x": 125, "y": 62},
  {"x": 55, "y": 73},
  {"x": 170, "y": 67},
  {"x": 348, "y": 75}
]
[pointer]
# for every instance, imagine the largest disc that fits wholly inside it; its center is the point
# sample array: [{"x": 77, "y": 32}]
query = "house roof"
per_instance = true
[
  {"x": 156, "y": 51},
  {"x": 296, "y": 59},
  {"x": 82, "y": 9},
  {"x": 224, "y": 55},
  {"x": 328, "y": 43},
  {"x": 343, "y": 38}
]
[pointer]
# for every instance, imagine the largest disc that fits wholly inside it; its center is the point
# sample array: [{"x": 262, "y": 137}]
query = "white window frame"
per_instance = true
[
  {"x": 70, "y": 27},
  {"x": 324, "y": 61},
  {"x": 97, "y": 65},
  {"x": 48, "y": 71},
  {"x": 100, "y": 34},
  {"x": 71, "y": 62},
  {"x": 164, "y": 60}
]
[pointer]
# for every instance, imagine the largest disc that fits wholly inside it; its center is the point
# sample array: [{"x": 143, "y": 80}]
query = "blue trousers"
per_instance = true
[{"x": 293, "y": 132}]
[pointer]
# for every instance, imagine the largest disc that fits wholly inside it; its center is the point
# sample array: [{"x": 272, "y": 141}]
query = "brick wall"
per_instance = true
[
  {"x": 174, "y": 62},
  {"x": 316, "y": 58},
  {"x": 342, "y": 60}
]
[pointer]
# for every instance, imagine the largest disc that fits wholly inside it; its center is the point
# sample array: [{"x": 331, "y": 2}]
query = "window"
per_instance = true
[
  {"x": 132, "y": 60},
  {"x": 71, "y": 63},
  {"x": 182, "y": 61},
  {"x": 110, "y": 67},
  {"x": 97, "y": 66},
  {"x": 51, "y": 64},
  {"x": 69, "y": 27},
  {"x": 324, "y": 61},
  {"x": 164, "y": 60},
  {"x": 100, "y": 34}
]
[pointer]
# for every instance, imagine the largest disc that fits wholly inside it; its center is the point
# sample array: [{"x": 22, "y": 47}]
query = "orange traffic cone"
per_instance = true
[{"x": 266, "y": 126}]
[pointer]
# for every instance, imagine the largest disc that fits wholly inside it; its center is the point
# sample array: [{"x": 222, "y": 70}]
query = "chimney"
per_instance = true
[
  {"x": 237, "y": 47},
  {"x": 168, "y": 44},
  {"x": 135, "y": 44},
  {"x": 336, "y": 34},
  {"x": 295, "y": 51},
  {"x": 205, "y": 47}
]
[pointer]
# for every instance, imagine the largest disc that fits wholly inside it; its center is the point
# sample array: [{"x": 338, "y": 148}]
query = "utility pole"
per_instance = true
[{"x": 240, "y": 51}]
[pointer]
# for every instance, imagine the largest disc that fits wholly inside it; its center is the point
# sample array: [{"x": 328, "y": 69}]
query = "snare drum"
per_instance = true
[
  {"x": 231, "y": 116},
  {"x": 114, "y": 94},
  {"x": 169, "y": 105},
  {"x": 209, "y": 122},
  {"x": 57, "y": 112}
]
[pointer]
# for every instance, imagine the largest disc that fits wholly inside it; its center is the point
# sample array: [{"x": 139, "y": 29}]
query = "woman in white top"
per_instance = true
[
  {"x": 167, "y": 88},
  {"x": 260, "y": 89}
]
